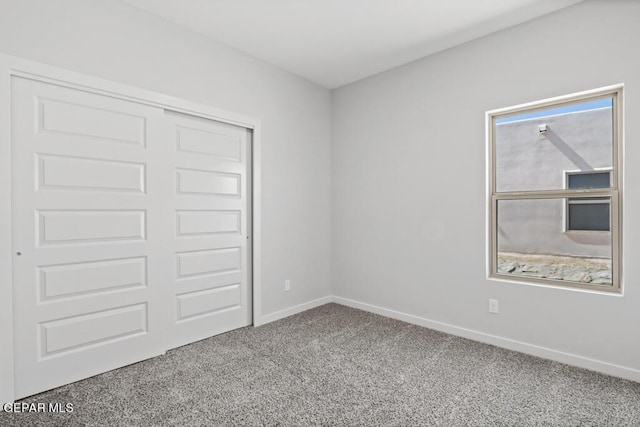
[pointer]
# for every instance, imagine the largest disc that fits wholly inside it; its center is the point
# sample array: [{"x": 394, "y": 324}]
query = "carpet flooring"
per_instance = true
[{"x": 337, "y": 366}]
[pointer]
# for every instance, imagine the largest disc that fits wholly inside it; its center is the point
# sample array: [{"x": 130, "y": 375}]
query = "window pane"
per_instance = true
[
  {"x": 531, "y": 242},
  {"x": 589, "y": 180},
  {"x": 534, "y": 150},
  {"x": 589, "y": 216}
]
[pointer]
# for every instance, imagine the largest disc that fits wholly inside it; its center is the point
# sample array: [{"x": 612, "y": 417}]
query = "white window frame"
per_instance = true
[
  {"x": 565, "y": 209},
  {"x": 614, "y": 192}
]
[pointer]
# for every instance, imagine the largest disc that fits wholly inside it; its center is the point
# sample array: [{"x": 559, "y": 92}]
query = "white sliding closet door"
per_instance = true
[
  {"x": 130, "y": 232},
  {"x": 211, "y": 289},
  {"x": 87, "y": 279}
]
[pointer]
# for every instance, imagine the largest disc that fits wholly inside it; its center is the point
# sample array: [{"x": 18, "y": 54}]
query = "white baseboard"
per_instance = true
[
  {"x": 272, "y": 317},
  {"x": 519, "y": 346}
]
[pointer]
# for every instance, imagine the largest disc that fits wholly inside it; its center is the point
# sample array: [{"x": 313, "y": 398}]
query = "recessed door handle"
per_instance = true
[{"x": 19, "y": 253}]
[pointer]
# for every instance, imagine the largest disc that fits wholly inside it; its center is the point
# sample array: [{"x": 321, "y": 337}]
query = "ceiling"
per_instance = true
[{"x": 336, "y": 42}]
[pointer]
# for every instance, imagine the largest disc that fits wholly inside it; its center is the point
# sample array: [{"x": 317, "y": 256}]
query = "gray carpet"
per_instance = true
[{"x": 339, "y": 366}]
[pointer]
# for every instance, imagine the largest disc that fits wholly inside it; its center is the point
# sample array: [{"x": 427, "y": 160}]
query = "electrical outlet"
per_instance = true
[
  {"x": 493, "y": 306},
  {"x": 287, "y": 285}
]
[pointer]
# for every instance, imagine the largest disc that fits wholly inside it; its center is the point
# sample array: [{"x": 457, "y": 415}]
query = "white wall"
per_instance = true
[
  {"x": 112, "y": 40},
  {"x": 409, "y": 205}
]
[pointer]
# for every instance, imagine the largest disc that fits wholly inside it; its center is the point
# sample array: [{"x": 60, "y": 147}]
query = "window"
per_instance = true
[
  {"x": 591, "y": 214},
  {"x": 554, "y": 188}
]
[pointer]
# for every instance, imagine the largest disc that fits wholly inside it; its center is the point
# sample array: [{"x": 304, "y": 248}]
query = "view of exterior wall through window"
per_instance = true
[{"x": 554, "y": 186}]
